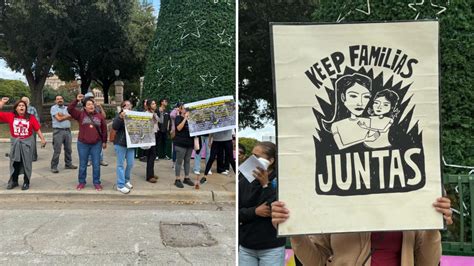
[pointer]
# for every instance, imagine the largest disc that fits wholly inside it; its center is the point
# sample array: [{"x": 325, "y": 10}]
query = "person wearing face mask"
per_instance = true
[
  {"x": 258, "y": 242},
  {"x": 61, "y": 134},
  {"x": 122, "y": 151},
  {"x": 22, "y": 125},
  {"x": 91, "y": 140}
]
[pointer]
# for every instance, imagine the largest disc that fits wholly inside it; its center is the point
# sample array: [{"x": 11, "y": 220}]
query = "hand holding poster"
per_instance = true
[
  {"x": 139, "y": 129},
  {"x": 358, "y": 126},
  {"x": 211, "y": 115}
]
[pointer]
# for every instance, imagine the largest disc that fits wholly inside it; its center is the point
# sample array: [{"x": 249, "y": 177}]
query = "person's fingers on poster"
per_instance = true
[
  {"x": 263, "y": 210},
  {"x": 443, "y": 205},
  {"x": 261, "y": 175},
  {"x": 279, "y": 213},
  {"x": 5, "y": 99}
]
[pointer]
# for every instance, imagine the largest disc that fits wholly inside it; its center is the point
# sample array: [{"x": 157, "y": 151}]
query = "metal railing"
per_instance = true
[{"x": 459, "y": 240}]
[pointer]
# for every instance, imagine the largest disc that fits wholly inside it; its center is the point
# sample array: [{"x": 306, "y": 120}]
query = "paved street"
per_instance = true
[
  {"x": 118, "y": 234},
  {"x": 155, "y": 224}
]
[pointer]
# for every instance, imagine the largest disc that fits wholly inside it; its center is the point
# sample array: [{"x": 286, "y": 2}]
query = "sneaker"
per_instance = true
[
  {"x": 70, "y": 167},
  {"x": 98, "y": 187},
  {"x": 210, "y": 172},
  {"x": 128, "y": 185},
  {"x": 167, "y": 158},
  {"x": 188, "y": 182},
  {"x": 203, "y": 180},
  {"x": 226, "y": 172},
  {"x": 197, "y": 172},
  {"x": 142, "y": 159},
  {"x": 89, "y": 163},
  {"x": 104, "y": 163},
  {"x": 178, "y": 183},
  {"x": 25, "y": 186},
  {"x": 124, "y": 190},
  {"x": 157, "y": 158},
  {"x": 80, "y": 186},
  {"x": 54, "y": 170}
]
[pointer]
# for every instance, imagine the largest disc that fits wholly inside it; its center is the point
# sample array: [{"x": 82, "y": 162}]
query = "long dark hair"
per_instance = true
[
  {"x": 341, "y": 85},
  {"x": 27, "y": 115},
  {"x": 148, "y": 105},
  {"x": 270, "y": 150},
  {"x": 393, "y": 98}
]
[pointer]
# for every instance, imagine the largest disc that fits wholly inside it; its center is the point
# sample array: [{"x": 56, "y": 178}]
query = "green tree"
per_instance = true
[
  {"x": 457, "y": 62},
  {"x": 193, "y": 53},
  {"x": 32, "y": 34},
  {"x": 110, "y": 35},
  {"x": 255, "y": 65},
  {"x": 14, "y": 89}
]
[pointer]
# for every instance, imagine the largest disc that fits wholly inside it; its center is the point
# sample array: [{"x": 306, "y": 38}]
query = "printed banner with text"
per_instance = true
[
  {"x": 139, "y": 129},
  {"x": 358, "y": 126},
  {"x": 211, "y": 115}
]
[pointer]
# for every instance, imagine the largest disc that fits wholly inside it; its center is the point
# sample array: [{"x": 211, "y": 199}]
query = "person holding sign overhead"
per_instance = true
[{"x": 258, "y": 242}]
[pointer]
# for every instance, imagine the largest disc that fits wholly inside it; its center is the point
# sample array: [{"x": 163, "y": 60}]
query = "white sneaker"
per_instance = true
[
  {"x": 226, "y": 172},
  {"x": 124, "y": 190},
  {"x": 210, "y": 172},
  {"x": 197, "y": 172},
  {"x": 129, "y": 185}
]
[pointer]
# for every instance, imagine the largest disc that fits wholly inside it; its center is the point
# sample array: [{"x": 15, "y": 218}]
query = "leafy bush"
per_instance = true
[{"x": 14, "y": 89}]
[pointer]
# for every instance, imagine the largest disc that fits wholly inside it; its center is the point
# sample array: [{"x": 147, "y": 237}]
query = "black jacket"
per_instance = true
[
  {"x": 256, "y": 232},
  {"x": 182, "y": 138},
  {"x": 119, "y": 126}
]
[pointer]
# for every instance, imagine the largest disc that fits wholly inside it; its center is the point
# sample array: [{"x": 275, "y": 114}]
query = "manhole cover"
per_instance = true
[{"x": 186, "y": 235}]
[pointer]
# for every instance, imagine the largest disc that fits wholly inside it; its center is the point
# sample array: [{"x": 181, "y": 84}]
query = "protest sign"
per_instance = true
[
  {"x": 357, "y": 126},
  {"x": 211, "y": 115},
  {"x": 139, "y": 129}
]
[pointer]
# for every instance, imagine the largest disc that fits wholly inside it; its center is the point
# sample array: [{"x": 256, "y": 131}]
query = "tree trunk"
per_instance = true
[
  {"x": 36, "y": 85},
  {"x": 105, "y": 89}
]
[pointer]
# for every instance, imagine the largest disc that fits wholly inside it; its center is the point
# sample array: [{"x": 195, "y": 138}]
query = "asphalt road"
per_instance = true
[{"x": 117, "y": 234}]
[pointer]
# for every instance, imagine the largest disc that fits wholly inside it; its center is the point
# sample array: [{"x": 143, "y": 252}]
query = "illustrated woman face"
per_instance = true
[
  {"x": 381, "y": 106},
  {"x": 356, "y": 99}
]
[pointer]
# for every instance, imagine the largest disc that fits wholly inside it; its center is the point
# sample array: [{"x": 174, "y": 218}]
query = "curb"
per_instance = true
[{"x": 187, "y": 197}]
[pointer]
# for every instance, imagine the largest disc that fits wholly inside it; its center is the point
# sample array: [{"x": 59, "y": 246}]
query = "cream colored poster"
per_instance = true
[{"x": 357, "y": 126}]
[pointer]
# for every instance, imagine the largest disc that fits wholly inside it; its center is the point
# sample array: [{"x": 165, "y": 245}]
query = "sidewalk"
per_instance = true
[{"x": 61, "y": 187}]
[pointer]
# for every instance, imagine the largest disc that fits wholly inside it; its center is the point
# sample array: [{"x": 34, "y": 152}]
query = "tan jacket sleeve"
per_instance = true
[
  {"x": 312, "y": 250},
  {"x": 427, "y": 247}
]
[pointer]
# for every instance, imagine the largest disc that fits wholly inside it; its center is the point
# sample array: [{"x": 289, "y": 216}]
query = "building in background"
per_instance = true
[{"x": 54, "y": 82}]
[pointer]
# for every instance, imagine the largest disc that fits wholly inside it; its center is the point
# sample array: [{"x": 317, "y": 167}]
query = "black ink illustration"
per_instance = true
[{"x": 363, "y": 145}]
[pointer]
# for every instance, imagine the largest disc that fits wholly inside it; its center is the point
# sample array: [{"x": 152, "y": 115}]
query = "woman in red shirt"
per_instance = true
[{"x": 22, "y": 126}]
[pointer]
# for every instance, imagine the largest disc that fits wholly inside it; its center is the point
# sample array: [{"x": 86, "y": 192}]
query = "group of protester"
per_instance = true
[{"x": 92, "y": 140}]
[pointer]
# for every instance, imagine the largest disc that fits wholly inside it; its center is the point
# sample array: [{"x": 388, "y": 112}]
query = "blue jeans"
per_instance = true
[
  {"x": 197, "y": 157},
  {"x": 123, "y": 153},
  {"x": 263, "y": 257},
  {"x": 101, "y": 156},
  {"x": 84, "y": 151}
]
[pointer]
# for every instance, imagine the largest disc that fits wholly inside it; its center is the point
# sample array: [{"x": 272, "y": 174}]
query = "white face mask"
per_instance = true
[{"x": 265, "y": 162}]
